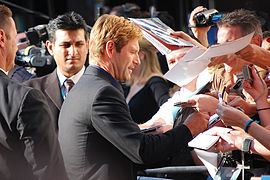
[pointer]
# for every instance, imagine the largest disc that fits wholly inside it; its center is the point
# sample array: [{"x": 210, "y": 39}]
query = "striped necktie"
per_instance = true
[{"x": 68, "y": 84}]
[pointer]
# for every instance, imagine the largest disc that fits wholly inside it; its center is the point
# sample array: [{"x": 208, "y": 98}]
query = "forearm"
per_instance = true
[
  {"x": 201, "y": 36},
  {"x": 263, "y": 113},
  {"x": 258, "y": 148},
  {"x": 261, "y": 134}
]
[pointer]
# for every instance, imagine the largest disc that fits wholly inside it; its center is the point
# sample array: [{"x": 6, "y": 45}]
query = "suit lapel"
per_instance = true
[
  {"x": 3, "y": 74},
  {"x": 53, "y": 89}
]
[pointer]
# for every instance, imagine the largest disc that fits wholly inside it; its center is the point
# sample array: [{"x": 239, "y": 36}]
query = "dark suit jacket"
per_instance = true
[
  {"x": 49, "y": 85},
  {"x": 103, "y": 142},
  {"x": 29, "y": 148}
]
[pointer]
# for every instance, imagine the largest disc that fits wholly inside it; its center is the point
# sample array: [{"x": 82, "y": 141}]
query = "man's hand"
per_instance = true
[
  {"x": 232, "y": 116},
  {"x": 197, "y": 122},
  {"x": 186, "y": 37},
  {"x": 199, "y": 32},
  {"x": 257, "y": 88},
  {"x": 231, "y": 141},
  {"x": 204, "y": 103},
  {"x": 236, "y": 101},
  {"x": 256, "y": 55},
  {"x": 159, "y": 122}
]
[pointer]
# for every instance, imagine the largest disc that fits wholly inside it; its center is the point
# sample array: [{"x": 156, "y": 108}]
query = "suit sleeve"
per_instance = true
[
  {"x": 37, "y": 133},
  {"x": 160, "y": 89},
  {"x": 111, "y": 118}
]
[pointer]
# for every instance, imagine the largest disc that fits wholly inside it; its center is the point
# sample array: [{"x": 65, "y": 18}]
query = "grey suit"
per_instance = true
[
  {"x": 98, "y": 137},
  {"x": 50, "y": 87},
  {"x": 28, "y": 144}
]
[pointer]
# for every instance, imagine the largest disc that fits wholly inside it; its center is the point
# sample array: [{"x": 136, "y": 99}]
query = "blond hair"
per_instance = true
[
  {"x": 5, "y": 14},
  {"x": 114, "y": 28},
  {"x": 150, "y": 64}
]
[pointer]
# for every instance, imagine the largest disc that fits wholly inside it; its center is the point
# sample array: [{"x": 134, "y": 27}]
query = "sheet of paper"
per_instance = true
[
  {"x": 187, "y": 69},
  {"x": 195, "y": 61},
  {"x": 226, "y": 48},
  {"x": 203, "y": 141},
  {"x": 209, "y": 159}
]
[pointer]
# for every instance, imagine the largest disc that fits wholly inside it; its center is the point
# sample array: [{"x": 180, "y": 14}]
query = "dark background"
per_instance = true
[{"x": 179, "y": 9}]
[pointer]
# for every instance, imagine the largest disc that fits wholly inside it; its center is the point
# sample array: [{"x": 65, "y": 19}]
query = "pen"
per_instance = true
[{"x": 220, "y": 98}]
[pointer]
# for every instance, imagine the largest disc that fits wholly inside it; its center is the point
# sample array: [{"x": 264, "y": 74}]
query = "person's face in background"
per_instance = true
[
  {"x": 11, "y": 46},
  {"x": 69, "y": 50},
  {"x": 226, "y": 34},
  {"x": 136, "y": 71},
  {"x": 175, "y": 56},
  {"x": 266, "y": 43}
]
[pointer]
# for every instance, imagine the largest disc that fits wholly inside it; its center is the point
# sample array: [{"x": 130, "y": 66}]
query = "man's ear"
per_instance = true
[
  {"x": 2, "y": 38},
  {"x": 256, "y": 40},
  {"x": 268, "y": 39},
  {"x": 87, "y": 44},
  {"x": 49, "y": 45},
  {"x": 109, "y": 48}
]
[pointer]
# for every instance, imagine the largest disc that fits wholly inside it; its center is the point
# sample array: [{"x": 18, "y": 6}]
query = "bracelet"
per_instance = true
[
  {"x": 262, "y": 109},
  {"x": 248, "y": 124}
]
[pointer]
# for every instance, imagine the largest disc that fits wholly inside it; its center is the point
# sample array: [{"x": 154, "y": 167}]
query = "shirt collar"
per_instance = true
[
  {"x": 4, "y": 71},
  {"x": 113, "y": 81},
  {"x": 75, "y": 78}
]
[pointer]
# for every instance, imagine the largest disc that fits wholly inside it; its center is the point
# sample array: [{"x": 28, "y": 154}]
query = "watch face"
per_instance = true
[{"x": 246, "y": 144}]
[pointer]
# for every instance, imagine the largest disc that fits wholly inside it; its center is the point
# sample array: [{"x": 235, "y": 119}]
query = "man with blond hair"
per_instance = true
[
  {"x": 28, "y": 143},
  {"x": 98, "y": 138}
]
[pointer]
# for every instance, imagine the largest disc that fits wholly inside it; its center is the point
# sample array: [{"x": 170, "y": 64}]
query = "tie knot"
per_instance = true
[{"x": 69, "y": 84}]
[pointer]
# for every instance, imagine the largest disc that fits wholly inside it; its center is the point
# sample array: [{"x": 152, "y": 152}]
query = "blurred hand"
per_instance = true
[
  {"x": 204, "y": 103},
  {"x": 186, "y": 37},
  {"x": 231, "y": 141},
  {"x": 232, "y": 116},
  {"x": 230, "y": 59},
  {"x": 197, "y": 122},
  {"x": 159, "y": 122},
  {"x": 237, "y": 101},
  {"x": 257, "y": 88},
  {"x": 252, "y": 53}
]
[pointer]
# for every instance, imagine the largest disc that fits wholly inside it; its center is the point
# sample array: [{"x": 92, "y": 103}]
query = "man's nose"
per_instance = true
[
  {"x": 72, "y": 50},
  {"x": 137, "y": 60}
]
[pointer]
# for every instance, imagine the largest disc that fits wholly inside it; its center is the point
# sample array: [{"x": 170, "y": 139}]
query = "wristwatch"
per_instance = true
[{"x": 247, "y": 144}]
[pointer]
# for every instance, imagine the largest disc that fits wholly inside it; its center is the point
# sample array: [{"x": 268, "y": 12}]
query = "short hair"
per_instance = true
[
  {"x": 247, "y": 22},
  {"x": 150, "y": 64},
  {"x": 5, "y": 14},
  {"x": 266, "y": 34},
  {"x": 67, "y": 21},
  {"x": 127, "y": 10},
  {"x": 114, "y": 28}
]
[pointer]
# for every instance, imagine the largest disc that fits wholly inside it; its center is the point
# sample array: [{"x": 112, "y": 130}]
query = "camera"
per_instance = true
[
  {"x": 247, "y": 73},
  {"x": 207, "y": 18},
  {"x": 33, "y": 56}
]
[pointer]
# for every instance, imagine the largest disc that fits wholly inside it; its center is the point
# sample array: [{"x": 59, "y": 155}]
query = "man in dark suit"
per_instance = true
[
  {"x": 98, "y": 138},
  {"x": 68, "y": 44},
  {"x": 29, "y": 148}
]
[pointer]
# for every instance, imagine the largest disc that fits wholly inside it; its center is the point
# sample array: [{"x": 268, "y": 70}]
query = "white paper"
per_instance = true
[
  {"x": 206, "y": 139},
  {"x": 203, "y": 141},
  {"x": 209, "y": 159},
  {"x": 187, "y": 69},
  {"x": 195, "y": 61}
]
